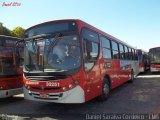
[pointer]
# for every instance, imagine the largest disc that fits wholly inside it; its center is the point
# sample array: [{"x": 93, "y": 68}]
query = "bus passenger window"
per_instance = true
[
  {"x": 115, "y": 50},
  {"x": 91, "y": 44},
  {"x": 121, "y": 49},
  {"x": 130, "y": 54},
  {"x": 126, "y": 53},
  {"x": 106, "y": 48}
]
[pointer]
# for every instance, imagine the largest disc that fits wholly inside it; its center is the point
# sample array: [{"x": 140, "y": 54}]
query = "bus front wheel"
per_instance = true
[{"x": 105, "y": 90}]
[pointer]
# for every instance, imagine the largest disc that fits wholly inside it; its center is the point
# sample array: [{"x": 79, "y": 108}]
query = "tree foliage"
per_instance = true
[
  {"x": 16, "y": 32},
  {"x": 4, "y": 30}
]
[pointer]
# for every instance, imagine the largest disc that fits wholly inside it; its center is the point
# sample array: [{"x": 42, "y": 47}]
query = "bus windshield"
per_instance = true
[
  {"x": 52, "y": 54},
  {"x": 7, "y": 65},
  {"x": 155, "y": 55},
  {"x": 11, "y": 61}
]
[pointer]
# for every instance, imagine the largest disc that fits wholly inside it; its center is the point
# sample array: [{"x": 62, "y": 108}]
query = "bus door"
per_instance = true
[{"x": 91, "y": 63}]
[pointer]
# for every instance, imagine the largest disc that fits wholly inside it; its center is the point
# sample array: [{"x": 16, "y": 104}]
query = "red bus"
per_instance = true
[
  {"x": 143, "y": 60},
  {"x": 70, "y": 61},
  {"x": 11, "y": 79},
  {"x": 154, "y": 54}
]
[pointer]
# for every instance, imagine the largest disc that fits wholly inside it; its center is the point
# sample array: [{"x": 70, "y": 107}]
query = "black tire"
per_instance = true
[
  {"x": 132, "y": 77},
  {"x": 105, "y": 90}
]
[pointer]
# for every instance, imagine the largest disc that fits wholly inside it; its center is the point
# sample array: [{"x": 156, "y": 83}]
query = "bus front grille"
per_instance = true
[
  {"x": 48, "y": 96},
  {"x": 38, "y": 88}
]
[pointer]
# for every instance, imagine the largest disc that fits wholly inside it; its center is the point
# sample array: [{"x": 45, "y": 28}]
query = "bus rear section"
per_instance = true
[
  {"x": 11, "y": 80},
  {"x": 143, "y": 60},
  {"x": 154, "y": 55},
  {"x": 65, "y": 62}
]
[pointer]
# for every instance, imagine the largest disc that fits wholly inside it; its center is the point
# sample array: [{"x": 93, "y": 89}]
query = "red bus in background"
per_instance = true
[
  {"x": 11, "y": 80},
  {"x": 70, "y": 61},
  {"x": 143, "y": 60},
  {"x": 154, "y": 55}
]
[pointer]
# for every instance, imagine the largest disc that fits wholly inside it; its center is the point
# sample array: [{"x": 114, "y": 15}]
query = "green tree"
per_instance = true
[
  {"x": 4, "y": 30},
  {"x": 18, "y": 32}
]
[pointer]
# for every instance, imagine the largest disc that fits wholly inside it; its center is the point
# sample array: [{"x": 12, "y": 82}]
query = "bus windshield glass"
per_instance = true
[
  {"x": 155, "y": 55},
  {"x": 52, "y": 54},
  {"x": 7, "y": 61}
]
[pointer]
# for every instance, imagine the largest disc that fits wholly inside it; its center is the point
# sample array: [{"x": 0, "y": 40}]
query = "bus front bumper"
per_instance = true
[
  {"x": 141, "y": 69},
  {"x": 75, "y": 95},
  {"x": 10, "y": 92}
]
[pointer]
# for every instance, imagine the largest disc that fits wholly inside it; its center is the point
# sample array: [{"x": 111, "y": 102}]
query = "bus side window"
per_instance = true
[
  {"x": 121, "y": 49},
  {"x": 115, "y": 50},
  {"x": 136, "y": 55},
  {"x": 133, "y": 54},
  {"x": 126, "y": 53},
  {"x": 106, "y": 48},
  {"x": 130, "y": 53},
  {"x": 91, "y": 47}
]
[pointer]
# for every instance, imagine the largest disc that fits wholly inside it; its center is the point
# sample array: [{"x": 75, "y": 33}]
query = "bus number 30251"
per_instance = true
[{"x": 53, "y": 84}]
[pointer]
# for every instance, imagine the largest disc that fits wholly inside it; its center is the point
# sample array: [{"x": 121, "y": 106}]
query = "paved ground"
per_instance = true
[{"x": 140, "y": 97}]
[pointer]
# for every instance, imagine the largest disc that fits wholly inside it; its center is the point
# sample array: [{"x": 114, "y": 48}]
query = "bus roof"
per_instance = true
[
  {"x": 87, "y": 25},
  {"x": 51, "y": 21},
  {"x": 11, "y": 37},
  {"x": 154, "y": 48}
]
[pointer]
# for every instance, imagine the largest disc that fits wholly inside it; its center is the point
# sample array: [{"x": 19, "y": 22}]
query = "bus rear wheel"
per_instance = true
[{"x": 105, "y": 90}]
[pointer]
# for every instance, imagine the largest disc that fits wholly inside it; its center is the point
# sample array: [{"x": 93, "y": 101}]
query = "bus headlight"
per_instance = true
[
  {"x": 70, "y": 86},
  {"x": 64, "y": 88},
  {"x": 76, "y": 82},
  {"x": 1, "y": 88}
]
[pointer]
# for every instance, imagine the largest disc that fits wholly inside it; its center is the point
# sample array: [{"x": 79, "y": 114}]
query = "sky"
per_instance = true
[{"x": 136, "y": 22}]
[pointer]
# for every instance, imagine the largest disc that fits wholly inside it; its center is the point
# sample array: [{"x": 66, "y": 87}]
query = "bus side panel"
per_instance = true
[
  {"x": 93, "y": 82},
  {"x": 111, "y": 68},
  {"x": 121, "y": 72},
  {"x": 135, "y": 67},
  {"x": 125, "y": 71},
  {"x": 11, "y": 83}
]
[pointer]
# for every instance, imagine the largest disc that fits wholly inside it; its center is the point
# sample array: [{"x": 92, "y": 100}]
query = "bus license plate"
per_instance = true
[{"x": 43, "y": 95}]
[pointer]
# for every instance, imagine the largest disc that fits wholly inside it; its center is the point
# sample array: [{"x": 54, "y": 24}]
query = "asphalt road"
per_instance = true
[{"x": 140, "y": 97}]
